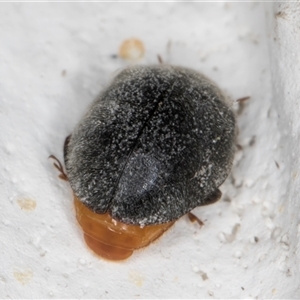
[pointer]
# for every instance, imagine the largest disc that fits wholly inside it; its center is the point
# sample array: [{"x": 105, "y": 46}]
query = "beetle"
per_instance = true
[{"x": 155, "y": 144}]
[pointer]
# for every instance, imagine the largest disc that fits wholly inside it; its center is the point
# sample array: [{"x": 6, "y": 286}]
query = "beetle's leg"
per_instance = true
[
  {"x": 160, "y": 60},
  {"x": 66, "y": 144},
  {"x": 194, "y": 218},
  {"x": 60, "y": 168},
  {"x": 242, "y": 102},
  {"x": 243, "y": 99},
  {"x": 214, "y": 197}
]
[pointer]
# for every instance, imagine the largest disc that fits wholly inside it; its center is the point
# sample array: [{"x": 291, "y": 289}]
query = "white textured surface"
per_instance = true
[{"x": 43, "y": 254}]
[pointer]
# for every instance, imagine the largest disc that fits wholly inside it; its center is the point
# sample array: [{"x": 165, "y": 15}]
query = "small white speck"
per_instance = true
[
  {"x": 218, "y": 285},
  {"x": 283, "y": 267},
  {"x": 253, "y": 240},
  {"x": 222, "y": 237},
  {"x": 267, "y": 209},
  {"x": 195, "y": 269},
  {"x": 239, "y": 209},
  {"x": 256, "y": 200},
  {"x": 5, "y": 222},
  {"x": 285, "y": 239},
  {"x": 47, "y": 269},
  {"x": 262, "y": 257},
  {"x": 42, "y": 252},
  {"x": 10, "y": 148},
  {"x": 238, "y": 254},
  {"x": 275, "y": 233},
  {"x": 210, "y": 293},
  {"x": 285, "y": 246},
  {"x": 82, "y": 261},
  {"x": 284, "y": 242},
  {"x": 249, "y": 183},
  {"x": 270, "y": 224}
]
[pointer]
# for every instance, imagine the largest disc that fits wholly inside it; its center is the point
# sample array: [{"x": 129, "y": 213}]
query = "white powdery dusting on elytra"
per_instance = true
[
  {"x": 151, "y": 142},
  {"x": 53, "y": 64}
]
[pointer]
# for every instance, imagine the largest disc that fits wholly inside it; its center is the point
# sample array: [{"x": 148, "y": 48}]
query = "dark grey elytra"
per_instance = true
[{"x": 157, "y": 143}]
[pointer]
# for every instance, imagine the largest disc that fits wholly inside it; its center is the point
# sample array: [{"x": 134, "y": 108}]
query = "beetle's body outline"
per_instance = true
[{"x": 157, "y": 143}]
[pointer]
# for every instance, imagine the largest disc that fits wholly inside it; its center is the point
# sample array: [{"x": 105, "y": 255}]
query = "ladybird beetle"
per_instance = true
[{"x": 157, "y": 143}]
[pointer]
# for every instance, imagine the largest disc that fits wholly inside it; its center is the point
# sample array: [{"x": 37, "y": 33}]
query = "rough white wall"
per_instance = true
[
  {"x": 56, "y": 57},
  {"x": 285, "y": 65}
]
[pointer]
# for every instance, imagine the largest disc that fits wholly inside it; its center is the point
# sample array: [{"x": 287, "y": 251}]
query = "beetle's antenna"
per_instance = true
[{"x": 60, "y": 168}]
